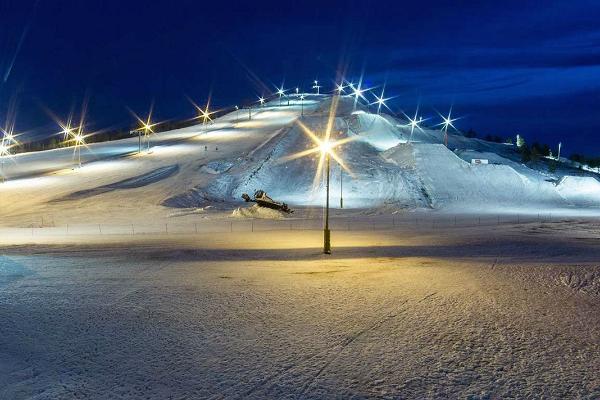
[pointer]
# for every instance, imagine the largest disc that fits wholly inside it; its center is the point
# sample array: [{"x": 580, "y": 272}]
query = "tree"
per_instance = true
[
  {"x": 520, "y": 141},
  {"x": 471, "y": 133},
  {"x": 525, "y": 153}
]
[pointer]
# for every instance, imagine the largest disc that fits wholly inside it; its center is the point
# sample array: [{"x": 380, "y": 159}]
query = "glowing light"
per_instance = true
[
  {"x": 358, "y": 92},
  {"x": 323, "y": 146},
  {"x": 447, "y": 122},
  {"x": 146, "y": 127},
  {"x": 414, "y": 123},
  {"x": 261, "y": 100},
  {"x": 79, "y": 139},
  {"x": 280, "y": 91},
  {"x": 340, "y": 88},
  {"x": 203, "y": 113},
  {"x": 380, "y": 101}
]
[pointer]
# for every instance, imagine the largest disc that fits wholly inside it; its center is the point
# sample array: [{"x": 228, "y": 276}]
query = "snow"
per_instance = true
[
  {"x": 414, "y": 312},
  {"x": 255, "y": 211},
  {"x": 211, "y": 166},
  {"x": 146, "y": 276}
]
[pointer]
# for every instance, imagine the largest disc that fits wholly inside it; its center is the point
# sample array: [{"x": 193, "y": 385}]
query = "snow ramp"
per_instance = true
[
  {"x": 453, "y": 183},
  {"x": 580, "y": 190},
  {"x": 375, "y": 130}
]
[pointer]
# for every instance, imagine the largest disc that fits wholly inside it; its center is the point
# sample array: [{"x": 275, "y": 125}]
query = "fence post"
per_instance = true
[
  {"x": 230, "y": 226},
  {"x": 252, "y": 226},
  {"x": 99, "y": 229},
  {"x": 167, "y": 228},
  {"x": 132, "y": 230},
  {"x": 196, "y": 227}
]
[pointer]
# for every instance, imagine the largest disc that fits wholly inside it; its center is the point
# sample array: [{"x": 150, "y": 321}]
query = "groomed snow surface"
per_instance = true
[{"x": 509, "y": 312}]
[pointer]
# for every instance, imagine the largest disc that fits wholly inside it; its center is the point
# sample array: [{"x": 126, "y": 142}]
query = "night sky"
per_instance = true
[{"x": 529, "y": 67}]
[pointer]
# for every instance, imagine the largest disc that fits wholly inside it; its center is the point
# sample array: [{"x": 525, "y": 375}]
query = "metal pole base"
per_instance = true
[{"x": 326, "y": 241}]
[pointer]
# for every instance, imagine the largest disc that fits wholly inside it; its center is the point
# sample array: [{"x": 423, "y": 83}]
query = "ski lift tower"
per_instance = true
[{"x": 317, "y": 87}]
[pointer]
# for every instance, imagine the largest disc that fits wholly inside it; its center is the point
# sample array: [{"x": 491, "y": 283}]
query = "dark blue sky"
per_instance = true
[{"x": 508, "y": 67}]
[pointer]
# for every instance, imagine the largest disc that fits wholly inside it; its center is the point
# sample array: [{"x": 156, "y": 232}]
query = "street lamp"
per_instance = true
[
  {"x": 447, "y": 122},
  {"x": 261, "y": 100},
  {"x": 146, "y": 127},
  {"x": 358, "y": 92},
  {"x": 413, "y": 123},
  {"x": 302, "y": 105},
  {"x": 4, "y": 152},
  {"x": 280, "y": 92},
  {"x": 341, "y": 187},
  {"x": 79, "y": 141},
  {"x": 326, "y": 149},
  {"x": 380, "y": 101}
]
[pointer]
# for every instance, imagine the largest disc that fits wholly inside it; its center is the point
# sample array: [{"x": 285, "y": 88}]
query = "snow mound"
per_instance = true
[
  {"x": 257, "y": 211},
  {"x": 579, "y": 189},
  {"x": 451, "y": 182},
  {"x": 580, "y": 185},
  {"x": 374, "y": 130}
]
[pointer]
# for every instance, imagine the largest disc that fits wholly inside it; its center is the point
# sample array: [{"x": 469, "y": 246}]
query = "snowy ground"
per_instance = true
[{"x": 417, "y": 312}]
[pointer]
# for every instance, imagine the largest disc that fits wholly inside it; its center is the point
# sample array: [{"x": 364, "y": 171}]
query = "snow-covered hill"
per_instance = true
[{"x": 209, "y": 167}]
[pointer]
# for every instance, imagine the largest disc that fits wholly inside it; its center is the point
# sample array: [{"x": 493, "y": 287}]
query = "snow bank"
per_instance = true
[{"x": 256, "y": 211}]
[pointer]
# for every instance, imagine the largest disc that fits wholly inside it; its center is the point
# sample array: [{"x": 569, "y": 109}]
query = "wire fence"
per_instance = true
[{"x": 356, "y": 223}]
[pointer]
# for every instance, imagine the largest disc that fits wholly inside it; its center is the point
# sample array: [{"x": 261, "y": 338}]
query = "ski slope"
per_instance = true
[{"x": 205, "y": 169}]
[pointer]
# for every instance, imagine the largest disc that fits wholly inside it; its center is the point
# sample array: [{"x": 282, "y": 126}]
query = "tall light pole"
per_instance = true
[
  {"x": 302, "y": 105},
  {"x": 79, "y": 141},
  {"x": 447, "y": 122},
  {"x": 558, "y": 155},
  {"x": 326, "y": 232},
  {"x": 4, "y": 152},
  {"x": 341, "y": 187}
]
